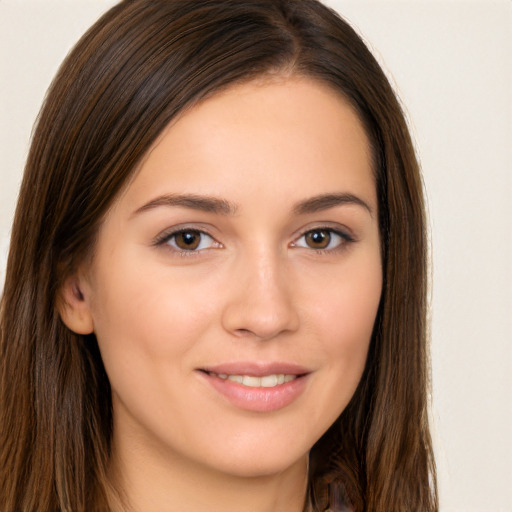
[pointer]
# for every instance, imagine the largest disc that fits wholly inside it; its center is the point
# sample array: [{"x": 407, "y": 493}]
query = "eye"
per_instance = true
[
  {"x": 322, "y": 239},
  {"x": 188, "y": 240}
]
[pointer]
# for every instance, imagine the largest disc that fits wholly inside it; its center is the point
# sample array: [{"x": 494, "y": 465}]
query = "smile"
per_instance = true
[
  {"x": 266, "y": 381},
  {"x": 263, "y": 387}
]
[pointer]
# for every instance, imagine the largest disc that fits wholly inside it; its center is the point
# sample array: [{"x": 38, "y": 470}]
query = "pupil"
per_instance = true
[{"x": 189, "y": 238}]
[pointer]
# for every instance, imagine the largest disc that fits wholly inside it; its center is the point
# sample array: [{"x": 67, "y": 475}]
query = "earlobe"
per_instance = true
[{"x": 73, "y": 307}]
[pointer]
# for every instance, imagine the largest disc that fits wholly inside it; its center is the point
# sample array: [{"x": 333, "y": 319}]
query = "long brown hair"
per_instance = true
[{"x": 139, "y": 66}]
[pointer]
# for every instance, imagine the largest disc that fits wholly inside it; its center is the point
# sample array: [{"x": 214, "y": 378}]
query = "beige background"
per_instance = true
[{"x": 451, "y": 62}]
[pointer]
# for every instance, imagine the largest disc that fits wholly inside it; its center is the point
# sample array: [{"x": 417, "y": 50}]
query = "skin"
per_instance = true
[{"x": 255, "y": 289}]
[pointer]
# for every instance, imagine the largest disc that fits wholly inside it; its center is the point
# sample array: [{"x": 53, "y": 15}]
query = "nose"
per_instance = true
[{"x": 261, "y": 299}]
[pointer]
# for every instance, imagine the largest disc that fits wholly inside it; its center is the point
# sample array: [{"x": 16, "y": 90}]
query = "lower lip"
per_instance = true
[{"x": 258, "y": 399}]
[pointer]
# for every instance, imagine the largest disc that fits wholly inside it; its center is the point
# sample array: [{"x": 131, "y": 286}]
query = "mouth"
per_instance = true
[{"x": 257, "y": 387}]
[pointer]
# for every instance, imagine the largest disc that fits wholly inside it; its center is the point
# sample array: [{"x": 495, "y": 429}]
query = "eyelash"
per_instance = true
[{"x": 165, "y": 238}]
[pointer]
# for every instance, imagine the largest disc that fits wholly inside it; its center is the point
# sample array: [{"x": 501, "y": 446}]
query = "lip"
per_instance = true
[{"x": 257, "y": 399}]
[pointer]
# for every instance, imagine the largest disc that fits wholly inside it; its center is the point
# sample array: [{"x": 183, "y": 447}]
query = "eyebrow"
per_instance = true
[
  {"x": 210, "y": 204},
  {"x": 206, "y": 204},
  {"x": 326, "y": 201}
]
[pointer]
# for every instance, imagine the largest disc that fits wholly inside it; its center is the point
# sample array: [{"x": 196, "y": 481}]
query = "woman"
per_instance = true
[{"x": 215, "y": 294}]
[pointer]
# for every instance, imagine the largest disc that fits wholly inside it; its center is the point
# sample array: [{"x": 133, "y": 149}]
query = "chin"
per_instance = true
[
  {"x": 259, "y": 461},
  {"x": 263, "y": 467}
]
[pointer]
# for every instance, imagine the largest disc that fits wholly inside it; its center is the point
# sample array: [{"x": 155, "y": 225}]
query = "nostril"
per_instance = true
[{"x": 244, "y": 332}]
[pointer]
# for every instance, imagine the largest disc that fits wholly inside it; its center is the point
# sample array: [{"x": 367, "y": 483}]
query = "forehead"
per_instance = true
[{"x": 273, "y": 135}]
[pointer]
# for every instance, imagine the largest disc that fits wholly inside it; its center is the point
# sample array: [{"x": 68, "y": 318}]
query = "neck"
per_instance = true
[{"x": 177, "y": 485}]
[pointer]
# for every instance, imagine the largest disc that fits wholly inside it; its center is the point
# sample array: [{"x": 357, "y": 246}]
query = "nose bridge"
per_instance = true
[
  {"x": 261, "y": 302},
  {"x": 267, "y": 275}
]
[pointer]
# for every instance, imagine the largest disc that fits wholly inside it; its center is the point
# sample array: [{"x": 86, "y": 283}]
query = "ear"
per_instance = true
[{"x": 73, "y": 307}]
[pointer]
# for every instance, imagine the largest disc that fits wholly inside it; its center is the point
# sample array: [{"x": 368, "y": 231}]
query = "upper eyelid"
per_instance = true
[
  {"x": 169, "y": 232},
  {"x": 347, "y": 238},
  {"x": 338, "y": 229}
]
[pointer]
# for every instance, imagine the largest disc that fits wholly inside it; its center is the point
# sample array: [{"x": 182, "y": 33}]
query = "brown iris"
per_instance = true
[
  {"x": 318, "y": 239},
  {"x": 188, "y": 240}
]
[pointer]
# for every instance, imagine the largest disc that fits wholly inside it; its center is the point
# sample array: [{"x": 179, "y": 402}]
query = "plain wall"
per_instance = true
[{"x": 451, "y": 63}]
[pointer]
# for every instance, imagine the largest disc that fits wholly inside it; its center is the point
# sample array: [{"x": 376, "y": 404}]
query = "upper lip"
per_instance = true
[{"x": 257, "y": 369}]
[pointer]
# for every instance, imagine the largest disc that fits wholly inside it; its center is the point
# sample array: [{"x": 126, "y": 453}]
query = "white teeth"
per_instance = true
[
  {"x": 252, "y": 382},
  {"x": 267, "y": 381}
]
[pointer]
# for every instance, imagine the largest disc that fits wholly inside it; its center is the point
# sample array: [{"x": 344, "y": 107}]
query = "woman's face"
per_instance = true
[{"x": 235, "y": 282}]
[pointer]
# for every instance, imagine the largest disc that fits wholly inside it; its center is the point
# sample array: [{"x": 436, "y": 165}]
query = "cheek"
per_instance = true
[
  {"x": 346, "y": 305},
  {"x": 353, "y": 309},
  {"x": 344, "y": 317},
  {"x": 149, "y": 325},
  {"x": 145, "y": 300},
  {"x": 146, "y": 318}
]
